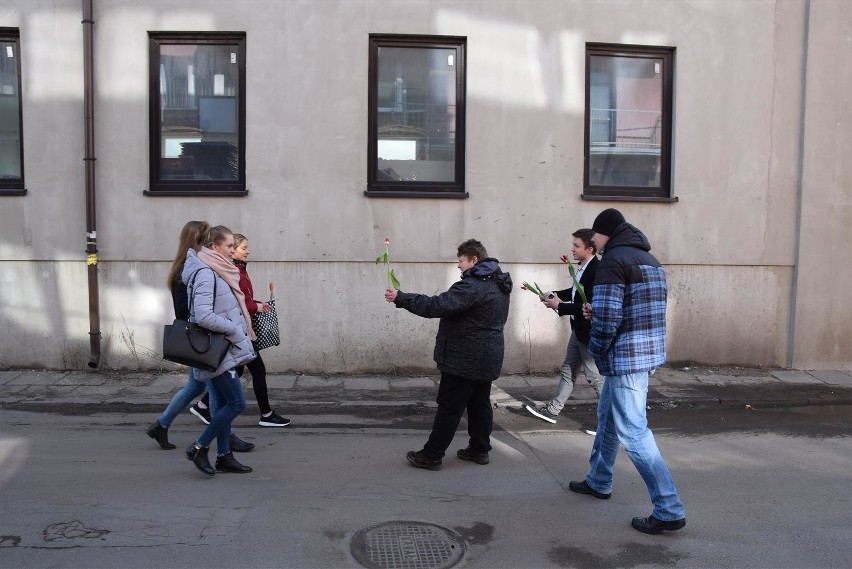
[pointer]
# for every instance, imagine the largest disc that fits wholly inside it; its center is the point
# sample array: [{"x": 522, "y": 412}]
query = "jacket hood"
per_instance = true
[
  {"x": 192, "y": 264},
  {"x": 489, "y": 268},
  {"x": 626, "y": 235}
]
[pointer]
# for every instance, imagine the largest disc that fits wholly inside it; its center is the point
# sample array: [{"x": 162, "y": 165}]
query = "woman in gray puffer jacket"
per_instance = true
[{"x": 216, "y": 305}]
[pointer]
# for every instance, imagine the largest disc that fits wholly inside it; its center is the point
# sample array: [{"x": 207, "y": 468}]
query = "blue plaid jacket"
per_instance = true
[{"x": 628, "y": 306}]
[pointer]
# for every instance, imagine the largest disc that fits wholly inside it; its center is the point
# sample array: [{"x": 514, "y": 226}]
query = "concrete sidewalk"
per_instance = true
[{"x": 668, "y": 387}]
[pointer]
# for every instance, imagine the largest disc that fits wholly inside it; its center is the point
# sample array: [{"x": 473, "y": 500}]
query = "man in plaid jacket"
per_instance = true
[{"x": 628, "y": 342}]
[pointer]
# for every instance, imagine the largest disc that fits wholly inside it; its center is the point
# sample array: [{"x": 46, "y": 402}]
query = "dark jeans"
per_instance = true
[
  {"x": 257, "y": 369},
  {"x": 229, "y": 394},
  {"x": 455, "y": 395}
]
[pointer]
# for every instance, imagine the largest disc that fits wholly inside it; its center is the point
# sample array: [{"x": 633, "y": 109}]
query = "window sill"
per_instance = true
[
  {"x": 196, "y": 193},
  {"x": 647, "y": 199},
  {"x": 414, "y": 194},
  {"x": 13, "y": 192}
]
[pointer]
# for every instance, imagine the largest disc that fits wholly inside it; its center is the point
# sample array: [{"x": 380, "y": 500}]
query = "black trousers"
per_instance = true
[{"x": 455, "y": 395}]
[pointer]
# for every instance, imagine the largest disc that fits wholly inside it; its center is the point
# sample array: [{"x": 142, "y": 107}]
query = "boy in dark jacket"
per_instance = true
[
  {"x": 569, "y": 303},
  {"x": 468, "y": 351}
]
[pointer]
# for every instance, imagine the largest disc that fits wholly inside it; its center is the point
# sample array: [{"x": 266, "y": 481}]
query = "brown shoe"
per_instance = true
[{"x": 419, "y": 460}]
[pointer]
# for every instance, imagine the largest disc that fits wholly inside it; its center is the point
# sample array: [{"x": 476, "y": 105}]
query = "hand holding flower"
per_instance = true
[
  {"x": 390, "y": 294},
  {"x": 534, "y": 288}
]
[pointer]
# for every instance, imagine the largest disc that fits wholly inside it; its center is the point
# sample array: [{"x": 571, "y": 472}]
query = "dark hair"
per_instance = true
[
  {"x": 585, "y": 235},
  {"x": 216, "y": 235},
  {"x": 191, "y": 237},
  {"x": 473, "y": 248}
]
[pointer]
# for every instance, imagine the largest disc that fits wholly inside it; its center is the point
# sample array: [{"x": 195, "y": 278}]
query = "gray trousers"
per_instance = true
[{"x": 576, "y": 355}]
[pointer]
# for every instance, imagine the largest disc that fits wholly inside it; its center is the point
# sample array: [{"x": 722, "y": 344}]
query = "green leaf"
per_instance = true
[
  {"x": 383, "y": 258},
  {"x": 394, "y": 280},
  {"x": 580, "y": 288}
]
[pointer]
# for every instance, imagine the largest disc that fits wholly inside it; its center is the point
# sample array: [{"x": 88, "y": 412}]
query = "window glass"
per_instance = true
[
  {"x": 11, "y": 147},
  {"x": 416, "y": 114}
]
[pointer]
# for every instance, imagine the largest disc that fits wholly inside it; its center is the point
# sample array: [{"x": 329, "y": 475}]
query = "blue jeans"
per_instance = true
[
  {"x": 576, "y": 354},
  {"x": 621, "y": 419},
  {"x": 182, "y": 400},
  {"x": 227, "y": 391}
]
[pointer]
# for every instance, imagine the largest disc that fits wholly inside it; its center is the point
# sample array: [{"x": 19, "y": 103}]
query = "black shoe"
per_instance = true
[
  {"x": 274, "y": 420},
  {"x": 160, "y": 434},
  {"x": 197, "y": 454},
  {"x": 583, "y": 487},
  {"x": 419, "y": 460},
  {"x": 228, "y": 463},
  {"x": 203, "y": 414},
  {"x": 239, "y": 445},
  {"x": 473, "y": 456},
  {"x": 654, "y": 526},
  {"x": 542, "y": 413}
]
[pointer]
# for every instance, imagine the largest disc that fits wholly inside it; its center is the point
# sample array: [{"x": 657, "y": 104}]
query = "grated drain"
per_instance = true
[{"x": 407, "y": 545}]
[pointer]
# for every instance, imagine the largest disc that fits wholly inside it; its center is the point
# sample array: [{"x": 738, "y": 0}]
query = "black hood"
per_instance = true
[
  {"x": 490, "y": 269},
  {"x": 626, "y": 235}
]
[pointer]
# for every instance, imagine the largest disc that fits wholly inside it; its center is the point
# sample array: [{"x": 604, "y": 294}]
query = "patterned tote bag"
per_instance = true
[{"x": 265, "y": 324}]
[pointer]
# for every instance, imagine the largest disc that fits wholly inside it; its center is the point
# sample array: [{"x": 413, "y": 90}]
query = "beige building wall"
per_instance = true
[
  {"x": 823, "y": 324},
  {"x": 729, "y": 244}
]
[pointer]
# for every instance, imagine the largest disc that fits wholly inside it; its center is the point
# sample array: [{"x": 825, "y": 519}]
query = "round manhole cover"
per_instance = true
[{"x": 407, "y": 545}]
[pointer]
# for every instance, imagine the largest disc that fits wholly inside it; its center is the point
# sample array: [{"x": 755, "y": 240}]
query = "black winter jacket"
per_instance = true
[
  {"x": 473, "y": 312},
  {"x": 180, "y": 299},
  {"x": 579, "y": 324}
]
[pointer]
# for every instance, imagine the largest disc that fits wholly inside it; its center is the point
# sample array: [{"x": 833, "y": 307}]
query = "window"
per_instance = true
[
  {"x": 416, "y": 121},
  {"x": 11, "y": 132},
  {"x": 197, "y": 113},
  {"x": 628, "y": 122}
]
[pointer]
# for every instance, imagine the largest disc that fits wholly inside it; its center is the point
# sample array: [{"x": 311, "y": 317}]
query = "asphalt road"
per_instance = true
[{"x": 763, "y": 488}]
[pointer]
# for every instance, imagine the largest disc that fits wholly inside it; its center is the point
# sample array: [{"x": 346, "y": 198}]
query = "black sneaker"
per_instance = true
[
  {"x": 543, "y": 414},
  {"x": 419, "y": 460},
  {"x": 473, "y": 456},
  {"x": 274, "y": 420},
  {"x": 582, "y": 487},
  {"x": 203, "y": 414}
]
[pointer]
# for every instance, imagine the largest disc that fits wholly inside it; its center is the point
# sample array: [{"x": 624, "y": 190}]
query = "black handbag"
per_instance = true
[{"x": 190, "y": 344}]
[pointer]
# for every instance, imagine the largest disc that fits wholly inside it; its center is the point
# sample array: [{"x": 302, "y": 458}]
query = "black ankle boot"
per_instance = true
[
  {"x": 228, "y": 463},
  {"x": 160, "y": 434},
  {"x": 198, "y": 455},
  {"x": 239, "y": 445}
]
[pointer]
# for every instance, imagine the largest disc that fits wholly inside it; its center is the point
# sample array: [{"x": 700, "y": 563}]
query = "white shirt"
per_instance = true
[{"x": 579, "y": 274}]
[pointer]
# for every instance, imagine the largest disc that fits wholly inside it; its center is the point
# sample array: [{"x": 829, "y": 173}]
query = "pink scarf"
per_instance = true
[{"x": 229, "y": 273}]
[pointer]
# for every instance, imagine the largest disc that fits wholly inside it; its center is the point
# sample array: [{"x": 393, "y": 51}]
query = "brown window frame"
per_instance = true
[
  {"x": 159, "y": 187},
  {"x": 414, "y": 189},
  {"x": 15, "y": 186},
  {"x": 663, "y": 193}
]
